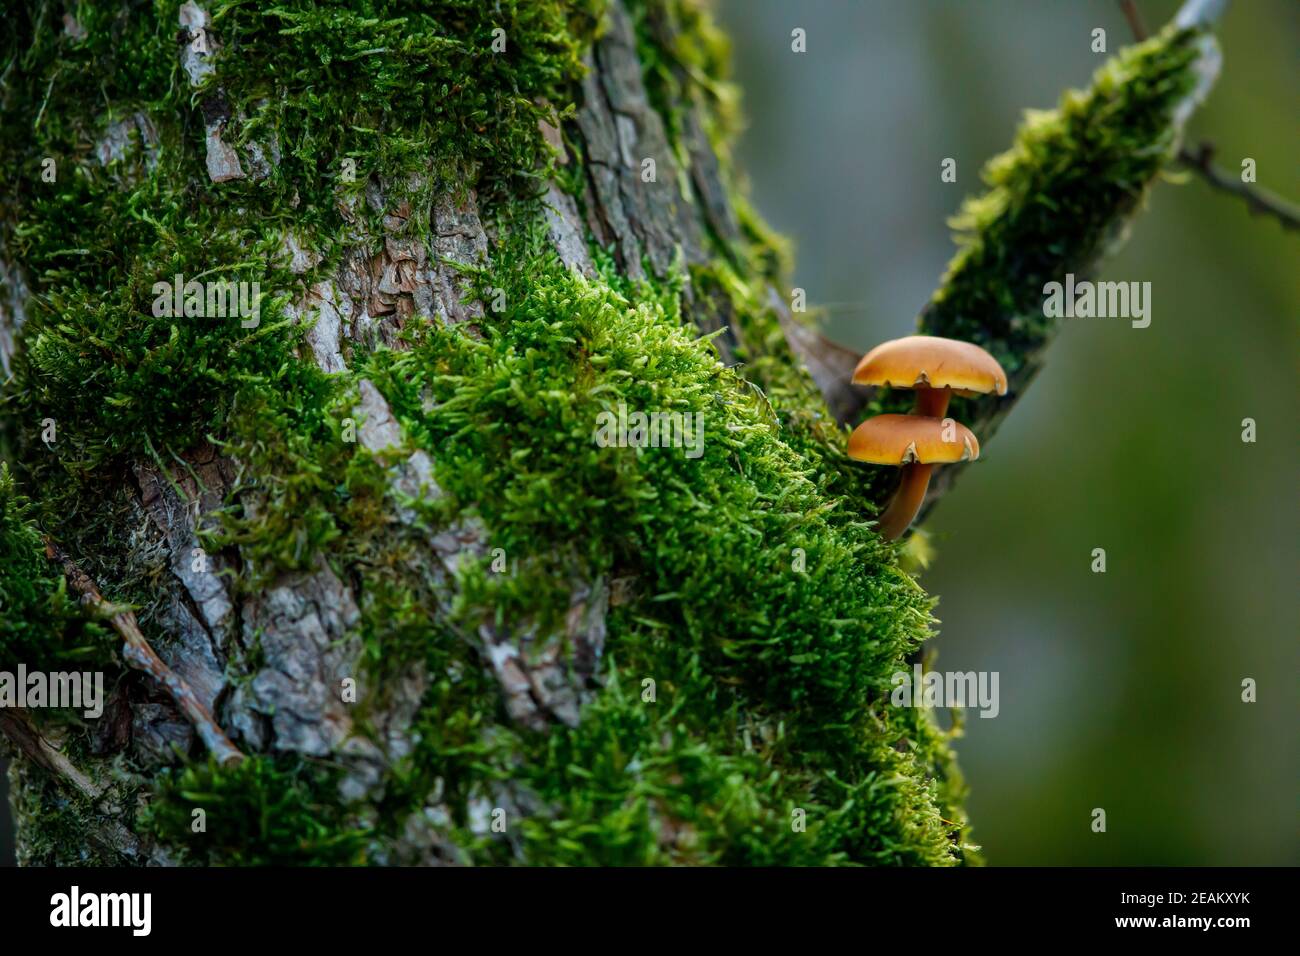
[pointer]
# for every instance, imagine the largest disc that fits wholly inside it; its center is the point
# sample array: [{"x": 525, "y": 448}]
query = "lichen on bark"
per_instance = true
[{"x": 624, "y": 655}]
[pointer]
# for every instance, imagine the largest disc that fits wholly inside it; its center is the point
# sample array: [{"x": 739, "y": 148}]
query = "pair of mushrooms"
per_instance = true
[{"x": 936, "y": 368}]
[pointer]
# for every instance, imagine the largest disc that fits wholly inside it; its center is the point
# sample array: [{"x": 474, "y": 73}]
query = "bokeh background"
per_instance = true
[{"x": 1119, "y": 690}]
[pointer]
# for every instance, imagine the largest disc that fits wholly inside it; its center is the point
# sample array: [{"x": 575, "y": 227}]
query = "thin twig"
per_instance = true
[
  {"x": 141, "y": 656},
  {"x": 1199, "y": 160},
  {"x": 15, "y": 725},
  {"x": 1259, "y": 200},
  {"x": 1130, "y": 10}
]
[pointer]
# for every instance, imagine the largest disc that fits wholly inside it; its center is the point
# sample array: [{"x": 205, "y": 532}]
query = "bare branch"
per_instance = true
[{"x": 1260, "y": 201}]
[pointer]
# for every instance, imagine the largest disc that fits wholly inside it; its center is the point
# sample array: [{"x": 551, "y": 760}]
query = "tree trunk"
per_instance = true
[{"x": 416, "y": 598}]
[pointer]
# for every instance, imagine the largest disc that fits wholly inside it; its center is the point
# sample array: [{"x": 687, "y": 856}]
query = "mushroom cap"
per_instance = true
[
  {"x": 929, "y": 361},
  {"x": 904, "y": 439}
]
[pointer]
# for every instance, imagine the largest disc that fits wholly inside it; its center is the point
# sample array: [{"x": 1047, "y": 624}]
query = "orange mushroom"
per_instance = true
[
  {"x": 936, "y": 367},
  {"x": 917, "y": 443}
]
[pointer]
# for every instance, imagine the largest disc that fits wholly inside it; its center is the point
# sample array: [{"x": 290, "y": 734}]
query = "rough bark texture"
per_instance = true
[{"x": 269, "y": 659}]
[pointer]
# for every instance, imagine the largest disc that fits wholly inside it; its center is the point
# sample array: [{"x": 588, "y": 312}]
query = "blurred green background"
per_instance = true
[{"x": 1119, "y": 690}]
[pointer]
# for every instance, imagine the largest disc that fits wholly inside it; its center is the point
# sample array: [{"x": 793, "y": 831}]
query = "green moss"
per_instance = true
[
  {"x": 286, "y": 431},
  {"x": 655, "y": 783},
  {"x": 114, "y": 376},
  {"x": 735, "y": 637},
  {"x": 263, "y": 811},
  {"x": 404, "y": 86},
  {"x": 58, "y": 820},
  {"x": 40, "y": 624}
]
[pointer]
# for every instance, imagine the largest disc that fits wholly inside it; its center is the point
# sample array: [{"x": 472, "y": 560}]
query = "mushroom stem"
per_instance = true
[
  {"x": 933, "y": 402},
  {"x": 906, "y": 501}
]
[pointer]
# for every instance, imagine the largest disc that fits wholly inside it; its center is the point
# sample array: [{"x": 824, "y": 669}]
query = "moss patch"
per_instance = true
[
  {"x": 769, "y": 678},
  {"x": 264, "y": 810},
  {"x": 40, "y": 624}
]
